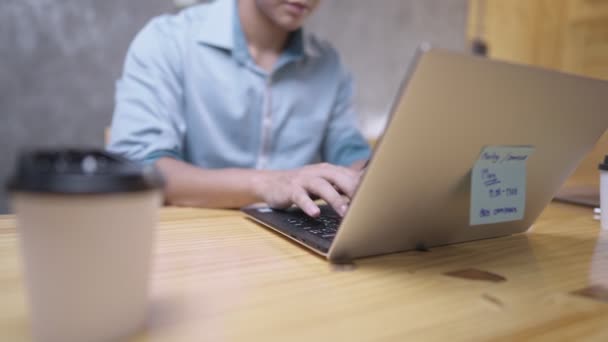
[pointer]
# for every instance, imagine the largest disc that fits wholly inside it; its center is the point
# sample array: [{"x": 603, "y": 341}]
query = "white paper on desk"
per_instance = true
[{"x": 498, "y": 184}]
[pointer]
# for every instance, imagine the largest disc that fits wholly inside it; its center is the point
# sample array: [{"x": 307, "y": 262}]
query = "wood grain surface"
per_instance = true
[{"x": 219, "y": 277}]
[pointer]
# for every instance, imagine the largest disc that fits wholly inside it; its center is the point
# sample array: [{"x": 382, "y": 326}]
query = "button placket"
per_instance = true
[{"x": 265, "y": 146}]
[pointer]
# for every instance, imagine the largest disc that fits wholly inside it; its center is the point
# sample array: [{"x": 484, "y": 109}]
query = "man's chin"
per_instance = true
[{"x": 290, "y": 25}]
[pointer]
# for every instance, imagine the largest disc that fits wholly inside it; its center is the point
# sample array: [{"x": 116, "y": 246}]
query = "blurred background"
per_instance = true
[{"x": 59, "y": 59}]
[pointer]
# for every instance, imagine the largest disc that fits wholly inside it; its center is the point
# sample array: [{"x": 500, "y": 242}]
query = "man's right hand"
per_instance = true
[{"x": 334, "y": 184}]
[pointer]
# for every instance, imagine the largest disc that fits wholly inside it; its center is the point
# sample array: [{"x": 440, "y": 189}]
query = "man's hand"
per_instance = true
[{"x": 334, "y": 184}]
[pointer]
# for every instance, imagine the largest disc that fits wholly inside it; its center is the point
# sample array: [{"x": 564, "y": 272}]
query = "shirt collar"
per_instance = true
[
  {"x": 217, "y": 28},
  {"x": 221, "y": 28}
]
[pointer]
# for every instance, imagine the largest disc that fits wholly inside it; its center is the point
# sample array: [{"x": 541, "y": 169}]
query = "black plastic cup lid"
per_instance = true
[
  {"x": 604, "y": 165},
  {"x": 75, "y": 171}
]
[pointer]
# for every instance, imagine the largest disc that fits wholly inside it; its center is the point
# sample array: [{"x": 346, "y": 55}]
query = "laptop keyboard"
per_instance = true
[
  {"x": 317, "y": 233},
  {"x": 325, "y": 226}
]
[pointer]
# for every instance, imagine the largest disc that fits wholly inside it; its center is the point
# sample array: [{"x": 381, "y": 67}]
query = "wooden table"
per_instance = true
[{"x": 220, "y": 277}]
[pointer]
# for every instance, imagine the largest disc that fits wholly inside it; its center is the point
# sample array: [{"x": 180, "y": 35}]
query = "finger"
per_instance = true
[
  {"x": 326, "y": 191},
  {"x": 301, "y": 199},
  {"x": 359, "y": 165},
  {"x": 344, "y": 179}
]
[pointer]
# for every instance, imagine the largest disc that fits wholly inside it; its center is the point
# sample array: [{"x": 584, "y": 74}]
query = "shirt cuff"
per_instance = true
[
  {"x": 156, "y": 155},
  {"x": 353, "y": 155}
]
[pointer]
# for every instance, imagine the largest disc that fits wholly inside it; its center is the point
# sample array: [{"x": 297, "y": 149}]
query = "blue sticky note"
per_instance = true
[{"x": 498, "y": 184}]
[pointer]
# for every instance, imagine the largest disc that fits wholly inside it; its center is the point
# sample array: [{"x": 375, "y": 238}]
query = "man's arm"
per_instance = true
[
  {"x": 188, "y": 185},
  {"x": 148, "y": 122},
  {"x": 344, "y": 144}
]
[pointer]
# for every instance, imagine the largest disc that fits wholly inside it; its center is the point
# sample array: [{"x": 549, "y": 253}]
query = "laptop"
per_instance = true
[{"x": 416, "y": 192}]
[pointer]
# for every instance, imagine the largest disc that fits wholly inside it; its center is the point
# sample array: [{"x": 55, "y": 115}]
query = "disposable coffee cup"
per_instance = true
[
  {"x": 86, "y": 223},
  {"x": 604, "y": 193}
]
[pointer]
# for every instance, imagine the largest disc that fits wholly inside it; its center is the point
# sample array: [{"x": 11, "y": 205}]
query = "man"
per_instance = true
[{"x": 235, "y": 105}]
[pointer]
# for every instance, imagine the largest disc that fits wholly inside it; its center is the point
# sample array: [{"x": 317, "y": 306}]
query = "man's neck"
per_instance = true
[{"x": 264, "y": 38}]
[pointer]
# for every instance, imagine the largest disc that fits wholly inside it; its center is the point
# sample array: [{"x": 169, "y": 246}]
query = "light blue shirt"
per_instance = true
[{"x": 191, "y": 91}]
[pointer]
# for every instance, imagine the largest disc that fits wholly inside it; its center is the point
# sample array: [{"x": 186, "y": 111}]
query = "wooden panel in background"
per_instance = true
[
  {"x": 522, "y": 31},
  {"x": 565, "y": 35}
]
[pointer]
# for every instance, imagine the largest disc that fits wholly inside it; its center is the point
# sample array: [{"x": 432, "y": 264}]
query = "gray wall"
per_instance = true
[
  {"x": 59, "y": 60},
  {"x": 378, "y": 38}
]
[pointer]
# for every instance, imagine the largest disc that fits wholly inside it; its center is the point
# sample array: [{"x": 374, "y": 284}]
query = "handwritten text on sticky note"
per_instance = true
[{"x": 498, "y": 184}]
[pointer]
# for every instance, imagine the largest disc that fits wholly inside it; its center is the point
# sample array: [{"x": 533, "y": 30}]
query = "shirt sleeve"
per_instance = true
[
  {"x": 148, "y": 122},
  {"x": 344, "y": 144}
]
